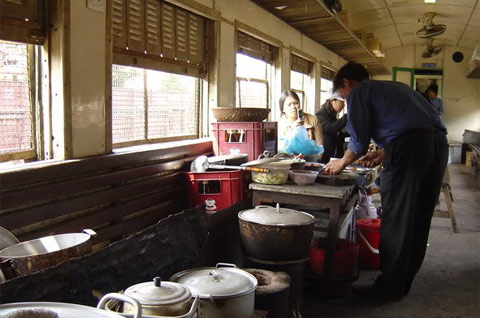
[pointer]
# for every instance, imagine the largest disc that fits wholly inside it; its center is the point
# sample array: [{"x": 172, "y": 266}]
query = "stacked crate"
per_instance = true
[{"x": 252, "y": 138}]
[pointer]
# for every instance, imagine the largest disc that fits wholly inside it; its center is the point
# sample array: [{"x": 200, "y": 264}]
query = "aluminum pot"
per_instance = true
[
  {"x": 157, "y": 298},
  {"x": 60, "y": 310},
  {"x": 38, "y": 254},
  {"x": 224, "y": 290},
  {"x": 276, "y": 234}
]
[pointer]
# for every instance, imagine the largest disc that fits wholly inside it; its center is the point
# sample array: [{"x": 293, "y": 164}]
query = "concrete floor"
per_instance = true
[{"x": 447, "y": 285}]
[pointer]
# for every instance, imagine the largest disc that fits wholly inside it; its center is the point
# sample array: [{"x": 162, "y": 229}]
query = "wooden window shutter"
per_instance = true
[
  {"x": 23, "y": 21},
  {"x": 181, "y": 31},
  {"x": 301, "y": 65},
  {"x": 255, "y": 48},
  {"x": 168, "y": 30},
  {"x": 119, "y": 25},
  {"x": 152, "y": 27},
  {"x": 158, "y": 35},
  {"x": 136, "y": 25},
  {"x": 196, "y": 38},
  {"x": 328, "y": 73}
]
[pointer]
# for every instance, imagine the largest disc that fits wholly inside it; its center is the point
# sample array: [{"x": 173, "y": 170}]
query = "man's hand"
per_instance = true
[
  {"x": 335, "y": 166},
  {"x": 372, "y": 158}
]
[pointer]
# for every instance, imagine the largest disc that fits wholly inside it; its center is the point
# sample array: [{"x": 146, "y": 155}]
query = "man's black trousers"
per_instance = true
[{"x": 414, "y": 165}]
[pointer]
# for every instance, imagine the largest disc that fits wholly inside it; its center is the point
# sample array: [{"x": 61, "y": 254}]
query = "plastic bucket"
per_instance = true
[
  {"x": 368, "y": 237},
  {"x": 345, "y": 258},
  {"x": 344, "y": 267}
]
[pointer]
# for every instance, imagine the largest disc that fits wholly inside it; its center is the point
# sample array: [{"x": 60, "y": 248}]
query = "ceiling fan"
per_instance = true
[
  {"x": 429, "y": 28},
  {"x": 431, "y": 50}
]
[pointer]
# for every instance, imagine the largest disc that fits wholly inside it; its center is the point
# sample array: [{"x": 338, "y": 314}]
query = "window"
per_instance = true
[
  {"x": 326, "y": 84},
  {"x": 159, "y": 57},
  {"x": 16, "y": 107},
  {"x": 151, "y": 106},
  {"x": 252, "y": 82},
  {"x": 300, "y": 79},
  {"x": 24, "y": 23},
  {"x": 298, "y": 85},
  {"x": 255, "y": 59}
]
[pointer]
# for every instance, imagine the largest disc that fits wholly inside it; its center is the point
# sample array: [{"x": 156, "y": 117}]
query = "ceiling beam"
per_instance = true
[
  {"x": 468, "y": 22},
  {"x": 340, "y": 22},
  {"x": 393, "y": 21}
]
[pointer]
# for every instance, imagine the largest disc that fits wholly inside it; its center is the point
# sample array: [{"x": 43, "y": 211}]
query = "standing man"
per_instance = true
[
  {"x": 414, "y": 153},
  {"x": 431, "y": 93}
]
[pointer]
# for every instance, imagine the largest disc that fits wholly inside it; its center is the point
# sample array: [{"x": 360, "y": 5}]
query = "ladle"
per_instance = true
[{"x": 201, "y": 164}]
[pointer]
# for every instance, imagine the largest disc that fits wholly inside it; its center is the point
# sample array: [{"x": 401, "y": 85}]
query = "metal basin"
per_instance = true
[{"x": 38, "y": 254}]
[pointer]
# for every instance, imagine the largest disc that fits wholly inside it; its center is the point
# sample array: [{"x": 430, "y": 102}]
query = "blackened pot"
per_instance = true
[{"x": 276, "y": 234}]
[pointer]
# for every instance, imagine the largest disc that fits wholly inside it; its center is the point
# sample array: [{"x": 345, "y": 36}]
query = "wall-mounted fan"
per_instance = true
[
  {"x": 429, "y": 28},
  {"x": 431, "y": 50}
]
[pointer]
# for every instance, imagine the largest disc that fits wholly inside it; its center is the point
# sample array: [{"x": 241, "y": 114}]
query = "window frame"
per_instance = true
[
  {"x": 239, "y": 79},
  {"x": 35, "y": 110},
  {"x": 146, "y": 140},
  {"x": 257, "y": 45}
]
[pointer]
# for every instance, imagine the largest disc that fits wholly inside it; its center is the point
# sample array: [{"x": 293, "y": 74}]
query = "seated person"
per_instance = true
[
  {"x": 333, "y": 129},
  {"x": 291, "y": 110}
]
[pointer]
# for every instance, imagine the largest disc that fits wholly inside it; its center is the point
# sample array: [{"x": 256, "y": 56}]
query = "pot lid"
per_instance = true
[
  {"x": 158, "y": 292},
  {"x": 217, "y": 282},
  {"x": 54, "y": 310},
  {"x": 267, "y": 215}
]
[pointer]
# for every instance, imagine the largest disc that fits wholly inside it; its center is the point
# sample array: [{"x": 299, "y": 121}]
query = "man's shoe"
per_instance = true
[{"x": 375, "y": 292}]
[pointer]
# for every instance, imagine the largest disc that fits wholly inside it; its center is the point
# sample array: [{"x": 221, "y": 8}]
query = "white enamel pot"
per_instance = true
[{"x": 224, "y": 290}]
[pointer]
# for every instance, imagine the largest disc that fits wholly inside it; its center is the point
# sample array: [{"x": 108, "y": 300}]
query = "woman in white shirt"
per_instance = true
[{"x": 291, "y": 109}]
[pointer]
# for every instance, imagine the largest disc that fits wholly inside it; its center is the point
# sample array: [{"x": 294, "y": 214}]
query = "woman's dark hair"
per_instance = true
[
  {"x": 284, "y": 96},
  {"x": 351, "y": 71}
]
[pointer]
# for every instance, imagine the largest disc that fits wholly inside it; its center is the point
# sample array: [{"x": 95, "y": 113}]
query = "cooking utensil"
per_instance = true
[
  {"x": 34, "y": 255},
  {"x": 112, "y": 302},
  {"x": 343, "y": 179},
  {"x": 60, "y": 310},
  {"x": 224, "y": 290},
  {"x": 303, "y": 177},
  {"x": 232, "y": 159},
  {"x": 201, "y": 164},
  {"x": 277, "y": 174},
  {"x": 276, "y": 234},
  {"x": 160, "y": 298},
  {"x": 7, "y": 238}
]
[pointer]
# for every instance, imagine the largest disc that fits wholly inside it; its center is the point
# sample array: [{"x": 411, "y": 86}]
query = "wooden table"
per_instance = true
[{"x": 334, "y": 198}]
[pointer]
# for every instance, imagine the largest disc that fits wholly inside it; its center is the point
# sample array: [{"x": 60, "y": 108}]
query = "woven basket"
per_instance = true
[{"x": 240, "y": 114}]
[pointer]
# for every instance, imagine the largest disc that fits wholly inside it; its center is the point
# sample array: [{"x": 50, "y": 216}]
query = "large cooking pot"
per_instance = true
[
  {"x": 224, "y": 290},
  {"x": 60, "y": 310},
  {"x": 158, "y": 298},
  {"x": 35, "y": 255},
  {"x": 276, "y": 234}
]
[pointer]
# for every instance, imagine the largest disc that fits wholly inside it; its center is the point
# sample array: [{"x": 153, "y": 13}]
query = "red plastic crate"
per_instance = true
[
  {"x": 224, "y": 187},
  {"x": 251, "y": 138}
]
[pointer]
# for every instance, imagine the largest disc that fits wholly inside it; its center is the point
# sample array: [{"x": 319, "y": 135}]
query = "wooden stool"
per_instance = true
[{"x": 447, "y": 195}]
